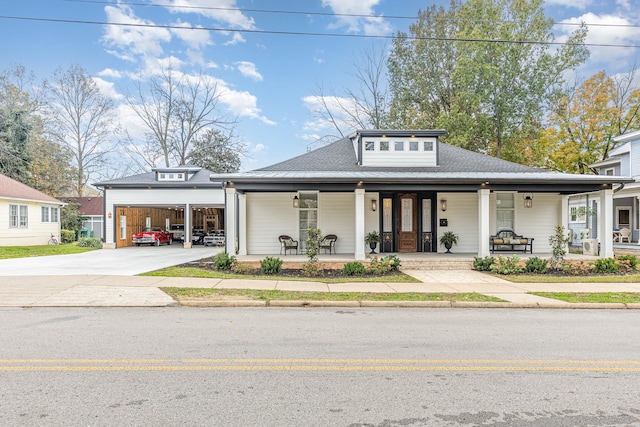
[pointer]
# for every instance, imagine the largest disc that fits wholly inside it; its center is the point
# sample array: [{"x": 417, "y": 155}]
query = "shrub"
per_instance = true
[
  {"x": 536, "y": 265},
  {"x": 605, "y": 265},
  {"x": 576, "y": 268},
  {"x": 312, "y": 268},
  {"x": 313, "y": 243},
  {"x": 354, "y": 268},
  {"x": 271, "y": 265},
  {"x": 379, "y": 266},
  {"x": 242, "y": 268},
  {"x": 67, "y": 236},
  {"x": 223, "y": 261},
  {"x": 558, "y": 242},
  {"x": 90, "y": 242},
  {"x": 393, "y": 261},
  {"x": 633, "y": 261},
  {"x": 483, "y": 264},
  {"x": 510, "y": 265}
]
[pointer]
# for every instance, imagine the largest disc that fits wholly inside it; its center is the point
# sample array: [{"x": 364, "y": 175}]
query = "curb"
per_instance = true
[{"x": 399, "y": 304}]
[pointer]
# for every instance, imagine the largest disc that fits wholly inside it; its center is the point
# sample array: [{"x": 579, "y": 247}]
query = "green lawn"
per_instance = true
[
  {"x": 600, "y": 297},
  {"x": 269, "y": 295},
  {"x": 549, "y": 278},
  {"x": 41, "y": 250},
  {"x": 199, "y": 272}
]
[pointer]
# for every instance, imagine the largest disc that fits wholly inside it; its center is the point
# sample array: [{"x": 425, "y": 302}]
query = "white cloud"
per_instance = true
[
  {"x": 373, "y": 25},
  {"x": 248, "y": 69},
  {"x": 107, "y": 88},
  {"x": 195, "y": 37},
  {"x": 110, "y": 73},
  {"x": 224, "y": 11},
  {"x": 130, "y": 41},
  {"x": 609, "y": 30},
  {"x": 243, "y": 104},
  {"x": 578, "y": 4},
  {"x": 236, "y": 39}
]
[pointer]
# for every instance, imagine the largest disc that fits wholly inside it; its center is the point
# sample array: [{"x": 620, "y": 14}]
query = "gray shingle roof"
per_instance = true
[
  {"x": 340, "y": 156},
  {"x": 148, "y": 179}
]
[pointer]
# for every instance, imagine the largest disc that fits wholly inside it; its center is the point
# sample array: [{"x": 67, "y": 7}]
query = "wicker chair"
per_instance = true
[
  {"x": 287, "y": 244},
  {"x": 329, "y": 243}
]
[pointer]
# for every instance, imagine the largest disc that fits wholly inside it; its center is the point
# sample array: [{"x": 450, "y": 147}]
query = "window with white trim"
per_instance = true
[
  {"x": 18, "y": 216},
  {"x": 505, "y": 211},
  {"x": 307, "y": 214},
  {"x": 578, "y": 214},
  {"x": 609, "y": 171},
  {"x": 49, "y": 214}
]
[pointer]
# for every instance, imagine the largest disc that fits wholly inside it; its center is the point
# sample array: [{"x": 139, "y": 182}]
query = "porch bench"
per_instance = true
[{"x": 509, "y": 241}]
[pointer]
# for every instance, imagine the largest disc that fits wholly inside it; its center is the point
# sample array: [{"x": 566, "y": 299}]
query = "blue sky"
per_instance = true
[{"x": 268, "y": 79}]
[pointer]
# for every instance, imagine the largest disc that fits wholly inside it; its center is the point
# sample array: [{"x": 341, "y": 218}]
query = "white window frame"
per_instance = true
[
  {"x": 18, "y": 216},
  {"x": 44, "y": 214},
  {"x": 512, "y": 209},
  {"x": 575, "y": 218},
  {"x": 609, "y": 171},
  {"x": 49, "y": 214}
]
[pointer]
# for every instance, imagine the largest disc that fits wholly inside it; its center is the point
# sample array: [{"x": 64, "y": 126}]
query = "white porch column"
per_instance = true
[
  {"x": 359, "y": 223},
  {"x": 242, "y": 223},
  {"x": 188, "y": 238},
  {"x": 564, "y": 213},
  {"x": 230, "y": 220},
  {"x": 605, "y": 223},
  {"x": 483, "y": 222}
]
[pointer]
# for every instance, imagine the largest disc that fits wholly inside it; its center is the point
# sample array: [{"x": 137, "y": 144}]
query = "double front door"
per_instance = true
[{"x": 407, "y": 222}]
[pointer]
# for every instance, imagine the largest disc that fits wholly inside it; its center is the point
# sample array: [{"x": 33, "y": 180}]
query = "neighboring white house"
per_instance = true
[
  {"x": 409, "y": 187},
  {"x": 162, "y": 198},
  {"x": 92, "y": 210},
  {"x": 29, "y": 217},
  {"x": 624, "y": 160}
]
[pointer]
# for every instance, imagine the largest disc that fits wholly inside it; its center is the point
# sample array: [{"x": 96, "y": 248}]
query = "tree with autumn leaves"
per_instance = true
[{"x": 583, "y": 122}]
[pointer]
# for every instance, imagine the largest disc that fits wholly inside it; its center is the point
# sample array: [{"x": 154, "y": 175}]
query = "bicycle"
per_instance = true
[{"x": 53, "y": 240}]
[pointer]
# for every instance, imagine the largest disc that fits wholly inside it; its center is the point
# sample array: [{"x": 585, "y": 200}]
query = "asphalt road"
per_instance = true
[{"x": 319, "y": 367}]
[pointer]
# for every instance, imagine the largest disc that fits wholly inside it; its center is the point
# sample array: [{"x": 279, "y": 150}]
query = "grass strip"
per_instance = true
[
  {"x": 202, "y": 273},
  {"x": 271, "y": 295},
  {"x": 7, "y": 252},
  {"x": 594, "y": 297},
  {"x": 547, "y": 278}
]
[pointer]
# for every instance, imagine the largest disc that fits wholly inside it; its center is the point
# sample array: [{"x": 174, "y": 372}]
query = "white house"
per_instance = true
[
  {"x": 624, "y": 161},
  {"x": 29, "y": 217},
  {"x": 164, "y": 197},
  {"x": 409, "y": 187}
]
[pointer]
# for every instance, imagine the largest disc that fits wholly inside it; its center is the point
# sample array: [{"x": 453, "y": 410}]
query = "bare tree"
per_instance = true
[
  {"x": 80, "y": 118},
  {"x": 365, "y": 107},
  {"x": 176, "y": 108}
]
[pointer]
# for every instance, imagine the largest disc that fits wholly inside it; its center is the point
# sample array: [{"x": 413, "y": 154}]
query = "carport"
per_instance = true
[{"x": 161, "y": 198}]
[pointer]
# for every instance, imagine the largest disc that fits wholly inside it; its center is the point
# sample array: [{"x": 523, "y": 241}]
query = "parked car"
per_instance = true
[
  {"x": 153, "y": 236},
  {"x": 178, "y": 231}
]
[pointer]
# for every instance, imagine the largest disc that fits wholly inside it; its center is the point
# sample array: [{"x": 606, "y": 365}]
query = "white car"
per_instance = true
[{"x": 178, "y": 231}]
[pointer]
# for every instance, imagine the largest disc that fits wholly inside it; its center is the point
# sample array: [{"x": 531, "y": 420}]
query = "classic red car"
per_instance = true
[{"x": 153, "y": 236}]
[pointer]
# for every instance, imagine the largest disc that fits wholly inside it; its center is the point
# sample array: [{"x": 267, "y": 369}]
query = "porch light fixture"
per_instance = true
[
  {"x": 296, "y": 202},
  {"x": 374, "y": 205},
  {"x": 443, "y": 205},
  {"x": 528, "y": 200}
]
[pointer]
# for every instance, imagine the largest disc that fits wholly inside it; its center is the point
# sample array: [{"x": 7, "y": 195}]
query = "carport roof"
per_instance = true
[{"x": 199, "y": 179}]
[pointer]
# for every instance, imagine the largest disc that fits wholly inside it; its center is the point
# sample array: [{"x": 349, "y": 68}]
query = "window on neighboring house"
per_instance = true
[
  {"x": 609, "y": 171},
  {"x": 578, "y": 214},
  {"x": 369, "y": 145},
  {"x": 505, "y": 213},
  {"x": 384, "y": 145},
  {"x": 55, "y": 214},
  {"x": 49, "y": 214},
  {"x": 18, "y": 216},
  {"x": 399, "y": 146}
]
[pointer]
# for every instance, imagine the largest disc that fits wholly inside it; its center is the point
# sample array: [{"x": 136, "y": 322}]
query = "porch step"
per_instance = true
[{"x": 437, "y": 264}]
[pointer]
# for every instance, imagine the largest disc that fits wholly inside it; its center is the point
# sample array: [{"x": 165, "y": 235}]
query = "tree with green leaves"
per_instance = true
[
  {"x": 217, "y": 152},
  {"x": 484, "y": 70}
]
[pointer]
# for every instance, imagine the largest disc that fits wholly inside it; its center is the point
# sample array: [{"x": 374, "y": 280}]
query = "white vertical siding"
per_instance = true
[{"x": 462, "y": 215}]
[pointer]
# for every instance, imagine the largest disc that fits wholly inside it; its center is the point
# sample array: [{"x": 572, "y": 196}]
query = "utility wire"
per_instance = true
[
  {"x": 300, "y": 33},
  {"x": 333, "y": 14}
]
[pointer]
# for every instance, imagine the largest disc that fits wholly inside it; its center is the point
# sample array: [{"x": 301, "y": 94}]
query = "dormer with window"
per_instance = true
[
  {"x": 397, "y": 148},
  {"x": 177, "y": 174}
]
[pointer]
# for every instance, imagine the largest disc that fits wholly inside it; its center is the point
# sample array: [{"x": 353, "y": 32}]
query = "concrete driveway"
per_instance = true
[{"x": 113, "y": 262}]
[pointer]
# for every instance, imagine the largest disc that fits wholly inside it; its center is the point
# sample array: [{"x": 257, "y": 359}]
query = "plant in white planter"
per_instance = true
[{"x": 448, "y": 239}]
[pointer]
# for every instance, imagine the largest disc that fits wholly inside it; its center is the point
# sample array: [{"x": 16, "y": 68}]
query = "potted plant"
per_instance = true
[
  {"x": 448, "y": 239},
  {"x": 372, "y": 238}
]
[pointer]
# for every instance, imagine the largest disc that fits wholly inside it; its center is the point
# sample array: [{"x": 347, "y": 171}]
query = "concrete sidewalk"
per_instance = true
[{"x": 143, "y": 291}]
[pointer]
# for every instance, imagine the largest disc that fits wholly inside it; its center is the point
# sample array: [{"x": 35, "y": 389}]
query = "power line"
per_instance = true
[
  {"x": 313, "y": 34},
  {"x": 332, "y": 14}
]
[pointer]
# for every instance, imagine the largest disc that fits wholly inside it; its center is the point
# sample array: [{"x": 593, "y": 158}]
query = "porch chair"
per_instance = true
[
  {"x": 288, "y": 244},
  {"x": 328, "y": 243},
  {"x": 625, "y": 234}
]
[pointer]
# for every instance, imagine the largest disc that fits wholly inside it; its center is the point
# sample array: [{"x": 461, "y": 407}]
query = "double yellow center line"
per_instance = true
[{"x": 80, "y": 365}]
